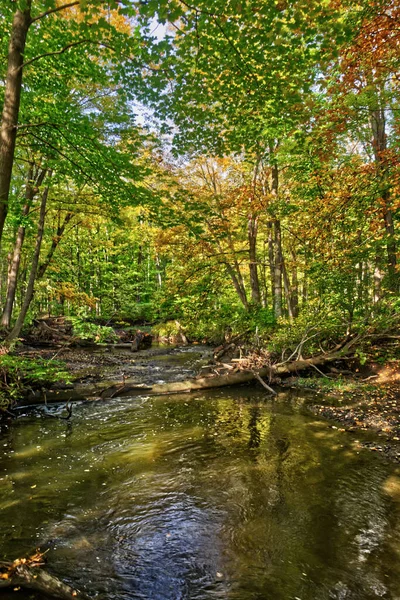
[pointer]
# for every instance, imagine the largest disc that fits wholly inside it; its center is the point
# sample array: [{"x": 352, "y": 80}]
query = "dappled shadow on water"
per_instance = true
[{"x": 223, "y": 495}]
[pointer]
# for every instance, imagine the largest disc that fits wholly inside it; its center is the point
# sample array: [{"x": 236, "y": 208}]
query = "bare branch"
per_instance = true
[{"x": 265, "y": 385}]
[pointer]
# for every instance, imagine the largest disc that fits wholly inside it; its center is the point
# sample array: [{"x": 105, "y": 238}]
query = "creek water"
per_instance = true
[{"x": 218, "y": 495}]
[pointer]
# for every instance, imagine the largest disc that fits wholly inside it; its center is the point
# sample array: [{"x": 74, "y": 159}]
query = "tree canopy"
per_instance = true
[{"x": 259, "y": 178}]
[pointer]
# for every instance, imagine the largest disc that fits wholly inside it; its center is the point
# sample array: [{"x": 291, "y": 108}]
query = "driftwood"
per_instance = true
[{"x": 20, "y": 574}]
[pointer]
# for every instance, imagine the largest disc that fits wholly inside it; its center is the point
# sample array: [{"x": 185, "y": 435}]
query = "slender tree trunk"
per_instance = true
[
  {"x": 271, "y": 261},
  {"x": 288, "y": 292},
  {"x": 13, "y": 273},
  {"x": 30, "y": 290},
  {"x": 295, "y": 286},
  {"x": 278, "y": 269},
  {"x": 378, "y": 127},
  {"x": 254, "y": 281},
  {"x": 32, "y": 187},
  {"x": 235, "y": 273},
  {"x": 12, "y": 98},
  {"x": 54, "y": 245},
  {"x": 241, "y": 292},
  {"x": 277, "y": 244},
  {"x": 304, "y": 292},
  {"x": 139, "y": 267},
  {"x": 264, "y": 286},
  {"x": 378, "y": 276},
  {"x": 159, "y": 276}
]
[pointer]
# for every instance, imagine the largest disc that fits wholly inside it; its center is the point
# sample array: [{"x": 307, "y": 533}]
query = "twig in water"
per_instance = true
[{"x": 265, "y": 385}]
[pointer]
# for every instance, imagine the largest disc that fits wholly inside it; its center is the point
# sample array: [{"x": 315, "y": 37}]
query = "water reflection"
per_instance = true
[{"x": 223, "y": 496}]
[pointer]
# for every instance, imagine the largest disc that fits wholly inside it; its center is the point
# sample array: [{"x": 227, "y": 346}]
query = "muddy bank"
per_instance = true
[{"x": 373, "y": 409}]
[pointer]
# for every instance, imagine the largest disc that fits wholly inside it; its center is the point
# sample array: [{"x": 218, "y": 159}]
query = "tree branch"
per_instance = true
[
  {"x": 54, "y": 10},
  {"x": 67, "y": 47}
]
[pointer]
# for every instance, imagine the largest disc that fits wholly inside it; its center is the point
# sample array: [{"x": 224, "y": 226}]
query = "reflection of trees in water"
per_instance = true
[
  {"x": 255, "y": 434},
  {"x": 281, "y": 498}
]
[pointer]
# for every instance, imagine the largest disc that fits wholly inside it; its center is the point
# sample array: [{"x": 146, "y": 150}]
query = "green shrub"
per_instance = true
[
  {"x": 18, "y": 374},
  {"x": 90, "y": 331}
]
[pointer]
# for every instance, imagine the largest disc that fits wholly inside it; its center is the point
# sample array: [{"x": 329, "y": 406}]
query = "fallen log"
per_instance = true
[
  {"x": 20, "y": 575},
  {"x": 272, "y": 372},
  {"x": 130, "y": 387}
]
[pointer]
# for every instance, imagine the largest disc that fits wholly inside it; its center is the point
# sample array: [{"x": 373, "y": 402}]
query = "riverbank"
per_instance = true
[
  {"x": 367, "y": 401},
  {"x": 370, "y": 405}
]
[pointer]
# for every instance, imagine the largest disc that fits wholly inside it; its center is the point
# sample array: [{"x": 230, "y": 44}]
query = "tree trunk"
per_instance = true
[
  {"x": 271, "y": 261},
  {"x": 239, "y": 287},
  {"x": 54, "y": 244},
  {"x": 277, "y": 257},
  {"x": 158, "y": 274},
  {"x": 378, "y": 127},
  {"x": 139, "y": 267},
  {"x": 288, "y": 292},
  {"x": 12, "y": 98},
  {"x": 252, "y": 237},
  {"x": 13, "y": 273},
  {"x": 32, "y": 187},
  {"x": 235, "y": 273},
  {"x": 30, "y": 290},
  {"x": 295, "y": 286},
  {"x": 278, "y": 269},
  {"x": 378, "y": 276}
]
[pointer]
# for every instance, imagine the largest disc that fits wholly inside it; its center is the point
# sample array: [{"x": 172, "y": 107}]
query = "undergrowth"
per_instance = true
[{"x": 18, "y": 375}]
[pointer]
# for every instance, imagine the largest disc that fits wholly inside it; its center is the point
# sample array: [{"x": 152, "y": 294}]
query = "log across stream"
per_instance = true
[{"x": 100, "y": 374}]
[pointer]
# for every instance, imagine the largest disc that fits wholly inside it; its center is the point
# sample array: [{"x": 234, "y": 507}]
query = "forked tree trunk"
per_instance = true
[
  {"x": 30, "y": 290},
  {"x": 238, "y": 285}
]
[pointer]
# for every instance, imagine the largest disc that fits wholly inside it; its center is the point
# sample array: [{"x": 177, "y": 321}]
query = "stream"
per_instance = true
[{"x": 226, "y": 494}]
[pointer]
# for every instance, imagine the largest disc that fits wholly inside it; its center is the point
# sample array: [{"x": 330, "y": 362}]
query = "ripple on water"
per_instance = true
[{"x": 221, "y": 495}]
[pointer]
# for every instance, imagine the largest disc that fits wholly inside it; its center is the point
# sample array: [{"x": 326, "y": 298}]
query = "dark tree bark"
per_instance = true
[
  {"x": 295, "y": 286},
  {"x": 277, "y": 255},
  {"x": 278, "y": 269},
  {"x": 378, "y": 127},
  {"x": 12, "y": 98},
  {"x": 252, "y": 229},
  {"x": 288, "y": 292},
  {"x": 238, "y": 284}
]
